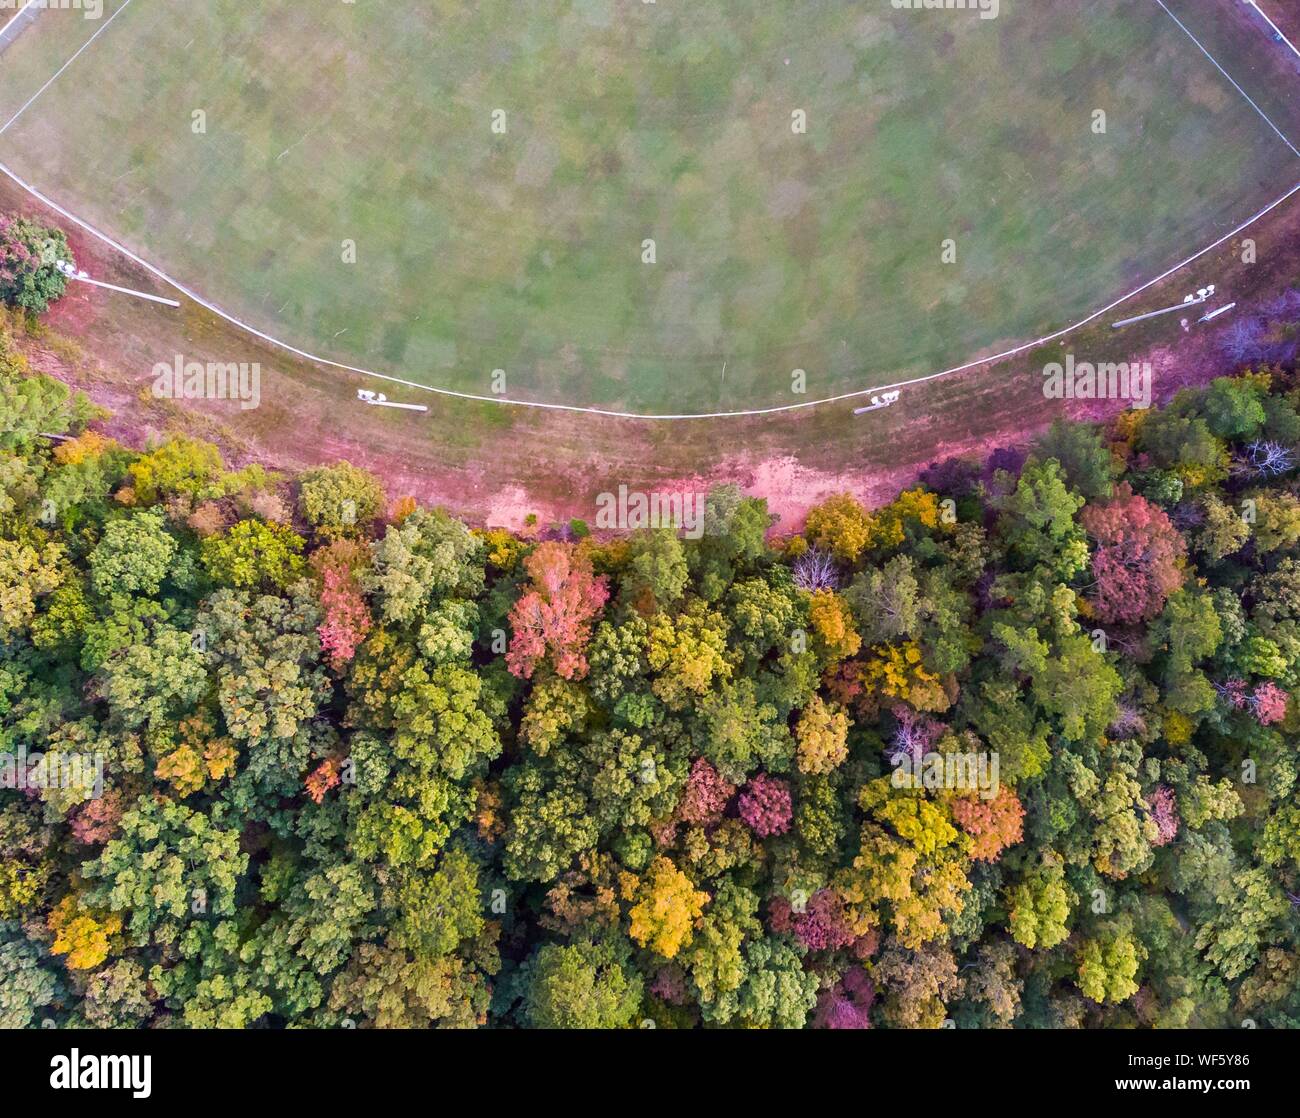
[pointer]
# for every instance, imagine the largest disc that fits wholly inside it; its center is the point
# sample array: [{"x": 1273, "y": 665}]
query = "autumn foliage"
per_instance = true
[
  {"x": 1017, "y": 749},
  {"x": 552, "y": 620},
  {"x": 1138, "y": 560}
]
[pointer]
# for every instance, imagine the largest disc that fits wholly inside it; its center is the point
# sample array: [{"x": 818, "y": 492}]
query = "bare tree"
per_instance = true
[{"x": 815, "y": 570}]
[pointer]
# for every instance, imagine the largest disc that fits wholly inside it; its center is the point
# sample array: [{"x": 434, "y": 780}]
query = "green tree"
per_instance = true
[
  {"x": 1085, "y": 460},
  {"x": 253, "y": 554},
  {"x": 584, "y": 985},
  {"x": 133, "y": 556},
  {"x": 1038, "y": 521},
  {"x": 1109, "y": 962},
  {"x": 340, "y": 501},
  {"x": 427, "y": 557},
  {"x": 656, "y": 572},
  {"x": 1234, "y": 407},
  {"x": 169, "y": 867},
  {"x": 26, "y": 987},
  {"x": 29, "y": 256}
]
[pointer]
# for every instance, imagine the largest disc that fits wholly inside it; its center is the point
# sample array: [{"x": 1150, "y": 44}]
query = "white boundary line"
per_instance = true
[
  {"x": 31, "y": 100},
  {"x": 1230, "y": 78},
  {"x": 23, "y": 11},
  {"x": 803, "y": 406},
  {"x": 1294, "y": 49},
  {"x": 200, "y": 301}
]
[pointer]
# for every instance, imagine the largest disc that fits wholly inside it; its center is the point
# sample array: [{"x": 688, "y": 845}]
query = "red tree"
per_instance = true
[
  {"x": 15, "y": 256},
  {"x": 993, "y": 824},
  {"x": 347, "y": 618},
  {"x": 555, "y": 616},
  {"x": 324, "y": 777},
  {"x": 706, "y": 795},
  {"x": 847, "y": 1004},
  {"x": 766, "y": 806},
  {"x": 1137, "y": 564},
  {"x": 820, "y": 925},
  {"x": 1269, "y": 703},
  {"x": 1164, "y": 810},
  {"x": 96, "y": 820}
]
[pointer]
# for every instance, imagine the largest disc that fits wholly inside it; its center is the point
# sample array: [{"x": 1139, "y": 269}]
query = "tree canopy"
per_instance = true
[{"x": 1017, "y": 749}]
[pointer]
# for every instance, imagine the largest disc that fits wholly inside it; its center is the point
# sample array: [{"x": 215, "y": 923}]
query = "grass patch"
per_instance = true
[{"x": 523, "y": 252}]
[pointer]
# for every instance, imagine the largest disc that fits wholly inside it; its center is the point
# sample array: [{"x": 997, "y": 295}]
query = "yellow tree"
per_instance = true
[
  {"x": 835, "y": 636},
  {"x": 687, "y": 653},
  {"x": 83, "y": 936},
  {"x": 913, "y": 506},
  {"x": 897, "y": 671},
  {"x": 823, "y": 735},
  {"x": 668, "y": 904},
  {"x": 912, "y": 867},
  {"x": 842, "y": 526}
]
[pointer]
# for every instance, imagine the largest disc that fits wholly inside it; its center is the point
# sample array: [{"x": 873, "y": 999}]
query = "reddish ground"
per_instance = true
[
  {"x": 1286, "y": 15},
  {"x": 497, "y": 464}
]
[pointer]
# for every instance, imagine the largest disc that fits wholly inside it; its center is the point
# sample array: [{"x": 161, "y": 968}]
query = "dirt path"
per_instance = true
[{"x": 497, "y": 465}]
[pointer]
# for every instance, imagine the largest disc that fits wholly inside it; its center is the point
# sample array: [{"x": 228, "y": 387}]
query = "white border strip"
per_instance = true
[
  {"x": 84, "y": 47},
  {"x": 14, "y": 21},
  {"x": 805, "y": 405}
]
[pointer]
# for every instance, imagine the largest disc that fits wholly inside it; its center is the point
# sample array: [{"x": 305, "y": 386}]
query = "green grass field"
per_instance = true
[{"x": 627, "y": 121}]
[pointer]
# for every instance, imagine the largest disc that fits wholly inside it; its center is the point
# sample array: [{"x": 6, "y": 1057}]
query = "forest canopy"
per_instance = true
[{"x": 1017, "y": 749}]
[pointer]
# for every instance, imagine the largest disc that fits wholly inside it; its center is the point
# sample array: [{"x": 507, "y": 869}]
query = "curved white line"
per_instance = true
[
  {"x": 325, "y": 361},
  {"x": 622, "y": 414}
]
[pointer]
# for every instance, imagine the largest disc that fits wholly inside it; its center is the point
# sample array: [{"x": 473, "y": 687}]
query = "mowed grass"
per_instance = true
[{"x": 625, "y": 121}]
